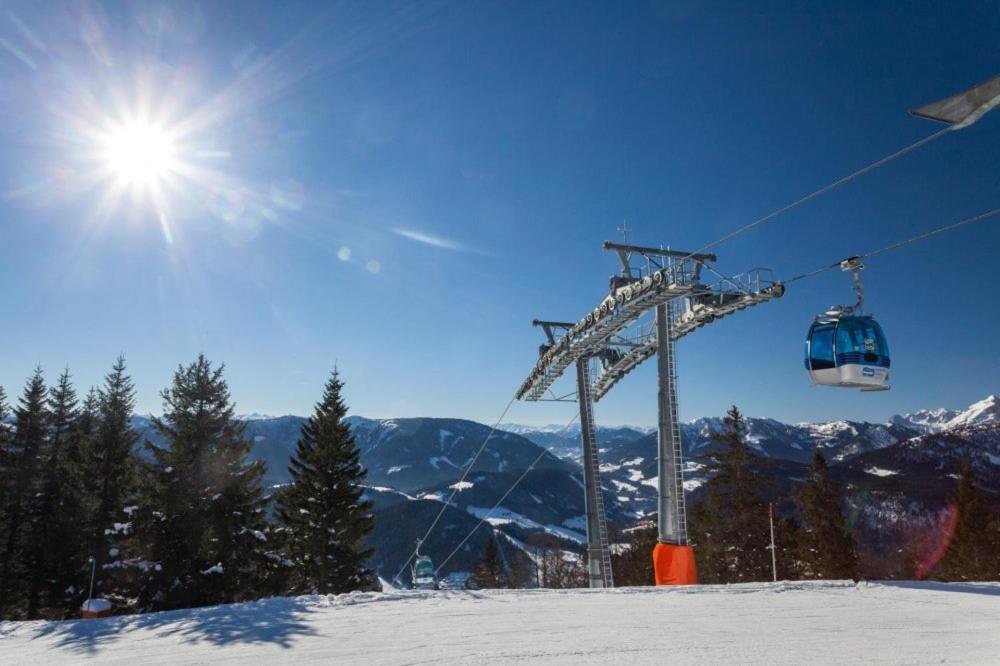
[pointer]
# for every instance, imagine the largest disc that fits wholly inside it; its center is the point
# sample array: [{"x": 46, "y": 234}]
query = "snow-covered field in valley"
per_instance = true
[{"x": 784, "y": 623}]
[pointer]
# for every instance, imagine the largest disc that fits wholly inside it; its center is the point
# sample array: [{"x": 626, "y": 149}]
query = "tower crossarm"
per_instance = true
[
  {"x": 621, "y": 308},
  {"x": 703, "y": 309},
  {"x": 625, "y": 304}
]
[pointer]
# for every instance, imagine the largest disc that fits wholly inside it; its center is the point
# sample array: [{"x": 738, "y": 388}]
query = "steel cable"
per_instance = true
[
  {"x": 821, "y": 191},
  {"x": 505, "y": 495},
  {"x": 899, "y": 244},
  {"x": 457, "y": 485}
]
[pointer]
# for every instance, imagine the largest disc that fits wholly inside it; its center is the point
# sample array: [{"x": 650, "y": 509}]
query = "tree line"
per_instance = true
[
  {"x": 539, "y": 562},
  {"x": 183, "y": 524},
  {"x": 729, "y": 527}
]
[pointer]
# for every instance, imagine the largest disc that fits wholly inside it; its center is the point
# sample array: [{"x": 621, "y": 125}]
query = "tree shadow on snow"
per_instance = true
[
  {"x": 277, "y": 621},
  {"x": 989, "y": 589}
]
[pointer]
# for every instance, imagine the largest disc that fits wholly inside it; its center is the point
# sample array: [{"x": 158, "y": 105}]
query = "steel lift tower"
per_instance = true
[{"x": 667, "y": 284}]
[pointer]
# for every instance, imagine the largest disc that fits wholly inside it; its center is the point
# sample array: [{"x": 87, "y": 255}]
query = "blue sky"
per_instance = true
[{"x": 400, "y": 189}]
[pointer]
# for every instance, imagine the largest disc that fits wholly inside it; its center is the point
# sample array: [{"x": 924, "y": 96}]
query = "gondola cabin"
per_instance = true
[
  {"x": 847, "y": 350},
  {"x": 423, "y": 574}
]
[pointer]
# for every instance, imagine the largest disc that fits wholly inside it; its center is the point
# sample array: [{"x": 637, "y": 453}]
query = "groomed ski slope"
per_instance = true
[{"x": 784, "y": 623}]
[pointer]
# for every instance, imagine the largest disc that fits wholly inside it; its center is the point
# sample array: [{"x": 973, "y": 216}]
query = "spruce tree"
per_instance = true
[
  {"x": 202, "y": 522},
  {"x": 6, "y": 455},
  {"x": 633, "y": 564},
  {"x": 826, "y": 547},
  {"x": 53, "y": 547},
  {"x": 22, "y": 482},
  {"x": 730, "y": 525},
  {"x": 489, "y": 571},
  {"x": 106, "y": 471},
  {"x": 86, "y": 422},
  {"x": 992, "y": 571},
  {"x": 970, "y": 554},
  {"x": 323, "y": 518}
]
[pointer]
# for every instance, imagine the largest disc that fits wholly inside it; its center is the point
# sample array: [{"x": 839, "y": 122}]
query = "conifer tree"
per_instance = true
[
  {"x": 489, "y": 571},
  {"x": 106, "y": 469},
  {"x": 970, "y": 554},
  {"x": 6, "y": 454},
  {"x": 633, "y": 565},
  {"x": 992, "y": 570},
  {"x": 730, "y": 525},
  {"x": 22, "y": 482},
  {"x": 87, "y": 421},
  {"x": 323, "y": 518},
  {"x": 53, "y": 548},
  {"x": 202, "y": 521},
  {"x": 826, "y": 546}
]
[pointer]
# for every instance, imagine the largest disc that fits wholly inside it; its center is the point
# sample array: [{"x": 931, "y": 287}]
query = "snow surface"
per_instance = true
[
  {"x": 761, "y": 623},
  {"x": 436, "y": 460},
  {"x": 880, "y": 471},
  {"x": 96, "y": 605},
  {"x": 502, "y": 516}
]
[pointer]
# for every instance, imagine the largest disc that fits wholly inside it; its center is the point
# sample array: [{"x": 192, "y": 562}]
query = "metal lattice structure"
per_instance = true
[{"x": 668, "y": 284}]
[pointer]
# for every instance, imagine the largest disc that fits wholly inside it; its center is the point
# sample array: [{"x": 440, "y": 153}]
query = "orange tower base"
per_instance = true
[{"x": 674, "y": 565}]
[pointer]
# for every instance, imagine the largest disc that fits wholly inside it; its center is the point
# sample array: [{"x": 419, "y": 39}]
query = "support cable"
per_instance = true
[
  {"x": 457, "y": 486},
  {"x": 895, "y": 246},
  {"x": 821, "y": 191},
  {"x": 505, "y": 495},
  {"x": 888, "y": 248}
]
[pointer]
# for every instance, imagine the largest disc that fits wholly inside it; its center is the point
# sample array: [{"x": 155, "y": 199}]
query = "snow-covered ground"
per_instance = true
[{"x": 785, "y": 623}]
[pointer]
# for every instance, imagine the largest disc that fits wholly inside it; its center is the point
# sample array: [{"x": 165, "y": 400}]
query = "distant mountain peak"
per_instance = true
[
  {"x": 986, "y": 410},
  {"x": 255, "y": 416}
]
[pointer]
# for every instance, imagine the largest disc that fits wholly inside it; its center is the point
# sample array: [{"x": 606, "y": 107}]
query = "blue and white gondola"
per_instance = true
[{"x": 847, "y": 350}]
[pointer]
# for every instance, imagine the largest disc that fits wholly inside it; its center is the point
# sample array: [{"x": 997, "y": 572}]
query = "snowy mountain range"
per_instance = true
[
  {"x": 772, "y": 438},
  {"x": 902, "y": 470},
  {"x": 986, "y": 410}
]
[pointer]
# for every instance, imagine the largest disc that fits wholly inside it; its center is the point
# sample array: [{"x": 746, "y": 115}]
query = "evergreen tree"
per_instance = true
[
  {"x": 970, "y": 554},
  {"x": 489, "y": 571},
  {"x": 6, "y": 455},
  {"x": 633, "y": 564},
  {"x": 324, "y": 520},
  {"x": 21, "y": 481},
  {"x": 521, "y": 571},
  {"x": 86, "y": 422},
  {"x": 730, "y": 525},
  {"x": 826, "y": 546},
  {"x": 53, "y": 538},
  {"x": 787, "y": 539},
  {"x": 105, "y": 470},
  {"x": 992, "y": 571},
  {"x": 202, "y": 522}
]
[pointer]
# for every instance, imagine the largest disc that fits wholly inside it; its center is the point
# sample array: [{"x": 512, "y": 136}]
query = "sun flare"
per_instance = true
[{"x": 140, "y": 153}]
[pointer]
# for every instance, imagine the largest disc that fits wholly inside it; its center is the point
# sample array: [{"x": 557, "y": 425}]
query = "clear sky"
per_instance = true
[{"x": 401, "y": 188}]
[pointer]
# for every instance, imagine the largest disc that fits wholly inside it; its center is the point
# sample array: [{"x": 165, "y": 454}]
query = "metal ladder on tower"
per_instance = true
[
  {"x": 595, "y": 497},
  {"x": 678, "y": 473}
]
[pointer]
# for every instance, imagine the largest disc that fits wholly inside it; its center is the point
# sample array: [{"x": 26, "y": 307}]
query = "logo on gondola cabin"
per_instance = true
[{"x": 868, "y": 372}]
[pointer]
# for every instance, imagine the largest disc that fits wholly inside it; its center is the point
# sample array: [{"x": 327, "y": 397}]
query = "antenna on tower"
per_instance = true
[{"x": 624, "y": 231}]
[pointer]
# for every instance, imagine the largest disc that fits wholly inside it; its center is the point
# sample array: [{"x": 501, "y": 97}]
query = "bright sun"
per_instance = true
[{"x": 140, "y": 153}]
